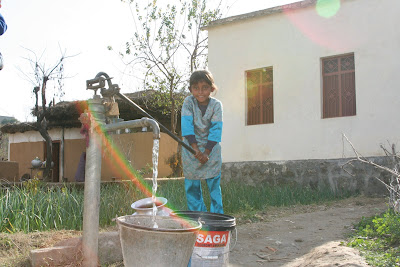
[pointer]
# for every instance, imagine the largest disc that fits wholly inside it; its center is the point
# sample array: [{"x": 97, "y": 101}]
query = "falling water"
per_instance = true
[{"x": 156, "y": 147}]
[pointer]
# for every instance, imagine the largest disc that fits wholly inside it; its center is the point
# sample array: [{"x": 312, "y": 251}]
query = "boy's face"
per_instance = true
[{"x": 201, "y": 91}]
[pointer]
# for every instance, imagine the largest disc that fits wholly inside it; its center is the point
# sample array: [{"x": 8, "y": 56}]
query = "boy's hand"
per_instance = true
[{"x": 202, "y": 157}]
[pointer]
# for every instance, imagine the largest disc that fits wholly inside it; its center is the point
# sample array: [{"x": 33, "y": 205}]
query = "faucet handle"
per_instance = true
[{"x": 95, "y": 84}]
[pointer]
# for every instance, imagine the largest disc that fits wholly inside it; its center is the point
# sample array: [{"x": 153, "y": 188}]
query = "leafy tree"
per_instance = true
[{"x": 167, "y": 46}]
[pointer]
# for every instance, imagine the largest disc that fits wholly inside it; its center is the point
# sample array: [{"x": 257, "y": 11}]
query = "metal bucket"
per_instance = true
[
  {"x": 213, "y": 241},
  {"x": 169, "y": 245}
]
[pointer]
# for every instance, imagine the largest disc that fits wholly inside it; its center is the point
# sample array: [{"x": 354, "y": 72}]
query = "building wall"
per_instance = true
[
  {"x": 337, "y": 174},
  {"x": 24, "y": 153},
  {"x": 9, "y": 171},
  {"x": 137, "y": 146},
  {"x": 293, "y": 43}
]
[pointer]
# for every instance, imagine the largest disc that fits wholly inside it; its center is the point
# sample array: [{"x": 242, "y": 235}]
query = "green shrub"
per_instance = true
[{"x": 378, "y": 238}]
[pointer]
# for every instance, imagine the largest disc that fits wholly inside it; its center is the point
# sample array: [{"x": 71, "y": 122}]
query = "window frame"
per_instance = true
[
  {"x": 265, "y": 92},
  {"x": 343, "y": 77}
]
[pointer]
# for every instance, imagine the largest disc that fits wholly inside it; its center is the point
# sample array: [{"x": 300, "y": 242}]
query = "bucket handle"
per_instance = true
[
  {"x": 221, "y": 254},
  {"x": 234, "y": 245}
]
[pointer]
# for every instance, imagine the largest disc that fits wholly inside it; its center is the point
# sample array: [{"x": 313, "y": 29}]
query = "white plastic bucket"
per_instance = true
[{"x": 213, "y": 241}]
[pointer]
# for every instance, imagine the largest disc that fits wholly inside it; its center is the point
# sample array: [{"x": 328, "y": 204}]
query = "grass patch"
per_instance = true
[
  {"x": 378, "y": 239},
  {"x": 35, "y": 207}
]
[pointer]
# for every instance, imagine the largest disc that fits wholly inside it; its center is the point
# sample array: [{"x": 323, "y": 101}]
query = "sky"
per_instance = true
[{"x": 83, "y": 30}]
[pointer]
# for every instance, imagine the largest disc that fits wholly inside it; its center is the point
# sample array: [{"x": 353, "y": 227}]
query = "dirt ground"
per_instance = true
[
  {"x": 304, "y": 236},
  {"x": 291, "y": 236}
]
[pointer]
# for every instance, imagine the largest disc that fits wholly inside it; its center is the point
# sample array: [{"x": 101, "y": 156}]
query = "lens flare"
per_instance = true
[
  {"x": 323, "y": 26},
  {"x": 327, "y": 8}
]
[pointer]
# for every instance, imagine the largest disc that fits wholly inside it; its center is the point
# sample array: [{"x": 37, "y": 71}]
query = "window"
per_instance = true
[
  {"x": 339, "y": 90},
  {"x": 260, "y": 104}
]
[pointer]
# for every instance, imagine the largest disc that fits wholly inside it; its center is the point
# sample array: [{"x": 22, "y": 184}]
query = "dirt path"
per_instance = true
[{"x": 304, "y": 236}]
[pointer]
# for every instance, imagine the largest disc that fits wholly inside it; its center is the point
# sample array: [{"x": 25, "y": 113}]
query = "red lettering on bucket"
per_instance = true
[{"x": 212, "y": 239}]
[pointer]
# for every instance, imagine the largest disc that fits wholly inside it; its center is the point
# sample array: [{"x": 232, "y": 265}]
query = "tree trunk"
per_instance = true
[
  {"x": 42, "y": 127},
  {"x": 173, "y": 118},
  {"x": 171, "y": 96}
]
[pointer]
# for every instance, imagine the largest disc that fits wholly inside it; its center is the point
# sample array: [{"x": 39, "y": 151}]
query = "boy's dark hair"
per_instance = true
[{"x": 202, "y": 75}]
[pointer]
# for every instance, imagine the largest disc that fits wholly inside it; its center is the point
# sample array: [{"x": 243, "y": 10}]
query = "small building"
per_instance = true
[
  {"x": 130, "y": 147},
  {"x": 294, "y": 78},
  {"x": 6, "y": 119}
]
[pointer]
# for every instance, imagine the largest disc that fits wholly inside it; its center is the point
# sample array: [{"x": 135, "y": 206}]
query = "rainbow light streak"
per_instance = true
[
  {"x": 117, "y": 159},
  {"x": 121, "y": 162}
]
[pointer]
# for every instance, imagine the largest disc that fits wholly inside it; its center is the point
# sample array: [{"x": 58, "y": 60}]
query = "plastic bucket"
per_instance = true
[
  {"x": 213, "y": 241},
  {"x": 171, "y": 244}
]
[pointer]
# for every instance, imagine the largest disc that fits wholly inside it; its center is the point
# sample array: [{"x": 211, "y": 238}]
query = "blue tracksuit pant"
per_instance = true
[{"x": 194, "y": 195}]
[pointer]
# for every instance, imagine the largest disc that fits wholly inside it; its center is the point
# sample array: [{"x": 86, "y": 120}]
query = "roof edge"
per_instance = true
[{"x": 259, "y": 13}]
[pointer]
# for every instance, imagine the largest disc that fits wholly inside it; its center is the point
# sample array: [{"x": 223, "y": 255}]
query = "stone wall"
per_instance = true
[{"x": 312, "y": 173}]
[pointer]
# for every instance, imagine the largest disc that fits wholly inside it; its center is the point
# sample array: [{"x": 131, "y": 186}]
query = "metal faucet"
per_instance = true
[{"x": 93, "y": 161}]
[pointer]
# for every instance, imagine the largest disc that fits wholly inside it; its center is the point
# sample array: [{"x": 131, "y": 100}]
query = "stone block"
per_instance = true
[
  {"x": 68, "y": 252},
  {"x": 55, "y": 256},
  {"x": 110, "y": 250}
]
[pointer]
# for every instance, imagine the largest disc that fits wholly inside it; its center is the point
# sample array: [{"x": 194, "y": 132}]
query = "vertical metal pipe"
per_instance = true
[
  {"x": 91, "y": 208},
  {"x": 9, "y": 152},
  {"x": 61, "y": 174}
]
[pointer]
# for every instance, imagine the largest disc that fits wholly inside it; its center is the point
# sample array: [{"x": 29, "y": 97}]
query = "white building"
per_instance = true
[{"x": 293, "y": 78}]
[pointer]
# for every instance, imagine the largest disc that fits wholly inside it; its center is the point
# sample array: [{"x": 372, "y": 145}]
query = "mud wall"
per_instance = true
[
  {"x": 24, "y": 153},
  {"x": 136, "y": 147},
  {"x": 9, "y": 171}
]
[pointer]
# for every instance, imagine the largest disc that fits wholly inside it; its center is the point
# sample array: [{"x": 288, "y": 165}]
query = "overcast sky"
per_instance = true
[{"x": 82, "y": 27}]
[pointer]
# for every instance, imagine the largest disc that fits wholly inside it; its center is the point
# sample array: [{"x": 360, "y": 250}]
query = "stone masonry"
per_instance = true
[{"x": 357, "y": 177}]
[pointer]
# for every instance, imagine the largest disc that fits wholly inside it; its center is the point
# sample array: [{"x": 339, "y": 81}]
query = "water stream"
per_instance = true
[{"x": 156, "y": 148}]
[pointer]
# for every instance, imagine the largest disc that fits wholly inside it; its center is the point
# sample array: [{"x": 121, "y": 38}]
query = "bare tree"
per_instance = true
[
  {"x": 394, "y": 185},
  {"x": 41, "y": 76}
]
